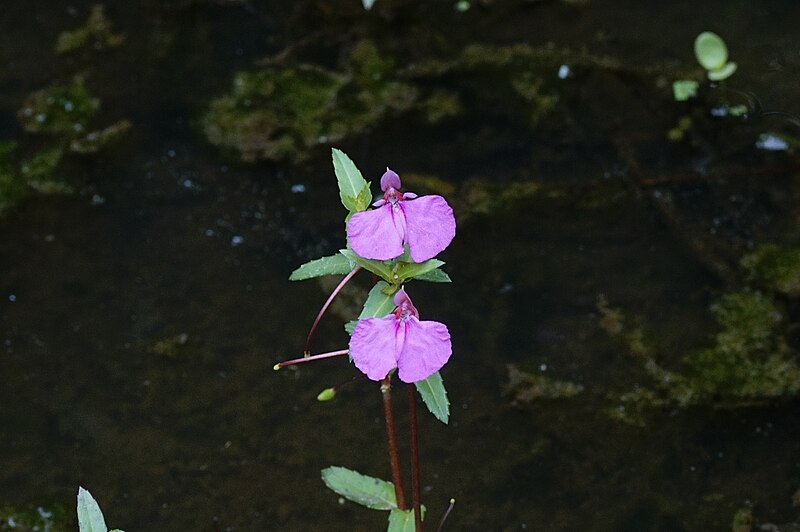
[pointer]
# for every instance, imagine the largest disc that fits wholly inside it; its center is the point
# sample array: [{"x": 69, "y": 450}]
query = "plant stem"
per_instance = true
[
  {"x": 415, "y": 491},
  {"x": 327, "y": 304},
  {"x": 309, "y": 358},
  {"x": 391, "y": 436}
]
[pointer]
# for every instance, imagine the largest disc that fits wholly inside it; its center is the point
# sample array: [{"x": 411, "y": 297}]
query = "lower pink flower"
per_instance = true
[{"x": 418, "y": 349}]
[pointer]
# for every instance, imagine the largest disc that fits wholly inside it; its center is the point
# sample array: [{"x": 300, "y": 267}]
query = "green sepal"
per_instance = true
[
  {"x": 333, "y": 265},
  {"x": 367, "y": 491},
  {"x": 434, "y": 395}
]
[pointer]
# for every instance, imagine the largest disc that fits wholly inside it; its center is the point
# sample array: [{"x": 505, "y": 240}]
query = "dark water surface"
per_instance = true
[{"x": 172, "y": 236}]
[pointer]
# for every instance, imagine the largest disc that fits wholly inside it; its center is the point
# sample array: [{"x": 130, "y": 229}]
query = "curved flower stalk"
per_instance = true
[
  {"x": 418, "y": 349},
  {"x": 425, "y": 223}
]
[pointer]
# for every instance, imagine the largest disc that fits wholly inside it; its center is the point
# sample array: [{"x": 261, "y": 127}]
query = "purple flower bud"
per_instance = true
[
  {"x": 418, "y": 349},
  {"x": 389, "y": 179}
]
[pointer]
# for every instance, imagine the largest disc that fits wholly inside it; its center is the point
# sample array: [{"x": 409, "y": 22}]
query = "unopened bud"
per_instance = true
[{"x": 327, "y": 394}]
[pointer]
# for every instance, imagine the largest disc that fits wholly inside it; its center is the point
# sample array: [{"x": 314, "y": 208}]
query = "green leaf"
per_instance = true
[
  {"x": 90, "y": 518},
  {"x": 350, "y": 326},
  {"x": 333, "y": 265},
  {"x": 434, "y": 396},
  {"x": 351, "y": 182},
  {"x": 409, "y": 270},
  {"x": 379, "y": 268},
  {"x": 434, "y": 276},
  {"x": 403, "y": 520},
  {"x": 367, "y": 491},
  {"x": 710, "y": 50},
  {"x": 378, "y": 303}
]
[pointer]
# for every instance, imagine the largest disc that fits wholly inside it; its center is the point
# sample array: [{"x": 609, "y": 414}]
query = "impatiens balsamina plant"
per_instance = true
[{"x": 397, "y": 241}]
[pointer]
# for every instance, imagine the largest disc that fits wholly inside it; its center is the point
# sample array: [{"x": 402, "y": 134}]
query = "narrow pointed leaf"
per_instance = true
[
  {"x": 367, "y": 491},
  {"x": 334, "y": 265},
  {"x": 434, "y": 276},
  {"x": 378, "y": 303},
  {"x": 90, "y": 518},
  {"x": 351, "y": 182},
  {"x": 409, "y": 270},
  {"x": 402, "y": 520},
  {"x": 377, "y": 267},
  {"x": 434, "y": 396}
]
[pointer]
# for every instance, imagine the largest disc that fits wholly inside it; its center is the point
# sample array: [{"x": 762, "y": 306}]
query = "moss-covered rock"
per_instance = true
[
  {"x": 97, "y": 33},
  {"x": 777, "y": 267},
  {"x": 59, "y": 109},
  {"x": 279, "y": 112}
]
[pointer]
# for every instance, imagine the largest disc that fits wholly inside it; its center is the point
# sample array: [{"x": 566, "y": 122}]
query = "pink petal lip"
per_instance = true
[
  {"x": 372, "y": 346},
  {"x": 426, "y": 348},
  {"x": 374, "y": 234},
  {"x": 430, "y": 226}
]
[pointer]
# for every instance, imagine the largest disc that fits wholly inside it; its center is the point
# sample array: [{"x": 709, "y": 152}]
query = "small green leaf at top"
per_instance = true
[
  {"x": 351, "y": 182},
  {"x": 367, "y": 491},
  {"x": 334, "y": 265},
  {"x": 90, "y": 518},
  {"x": 434, "y": 395},
  {"x": 410, "y": 270},
  {"x": 403, "y": 520},
  {"x": 712, "y": 54}
]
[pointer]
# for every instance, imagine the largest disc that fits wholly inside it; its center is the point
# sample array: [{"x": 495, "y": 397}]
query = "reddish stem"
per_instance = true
[
  {"x": 327, "y": 304},
  {"x": 310, "y": 358},
  {"x": 391, "y": 436},
  {"x": 415, "y": 491}
]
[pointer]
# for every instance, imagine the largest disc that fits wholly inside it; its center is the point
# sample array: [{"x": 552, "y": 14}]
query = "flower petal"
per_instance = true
[
  {"x": 426, "y": 349},
  {"x": 373, "y": 235},
  {"x": 430, "y": 226},
  {"x": 372, "y": 346}
]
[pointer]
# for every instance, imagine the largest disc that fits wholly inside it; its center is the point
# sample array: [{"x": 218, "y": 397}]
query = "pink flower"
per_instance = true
[
  {"x": 418, "y": 349},
  {"x": 425, "y": 223}
]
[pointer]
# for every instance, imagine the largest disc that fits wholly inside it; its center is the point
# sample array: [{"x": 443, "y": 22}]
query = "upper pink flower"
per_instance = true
[
  {"x": 418, "y": 349},
  {"x": 425, "y": 223}
]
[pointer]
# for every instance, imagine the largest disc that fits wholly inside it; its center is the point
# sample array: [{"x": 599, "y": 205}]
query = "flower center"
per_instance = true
[
  {"x": 392, "y": 195},
  {"x": 404, "y": 311}
]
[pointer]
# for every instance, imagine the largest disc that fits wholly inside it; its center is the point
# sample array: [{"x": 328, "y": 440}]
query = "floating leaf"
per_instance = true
[
  {"x": 351, "y": 182},
  {"x": 683, "y": 89},
  {"x": 409, "y": 270},
  {"x": 434, "y": 396},
  {"x": 710, "y": 50},
  {"x": 367, "y": 491},
  {"x": 334, "y": 265},
  {"x": 90, "y": 518}
]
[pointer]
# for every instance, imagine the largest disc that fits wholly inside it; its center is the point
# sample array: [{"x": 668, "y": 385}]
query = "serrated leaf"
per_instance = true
[
  {"x": 367, "y": 491},
  {"x": 378, "y": 303},
  {"x": 351, "y": 182},
  {"x": 409, "y": 270},
  {"x": 90, "y": 518},
  {"x": 403, "y": 520},
  {"x": 434, "y": 396},
  {"x": 334, "y": 265},
  {"x": 434, "y": 276},
  {"x": 377, "y": 267}
]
